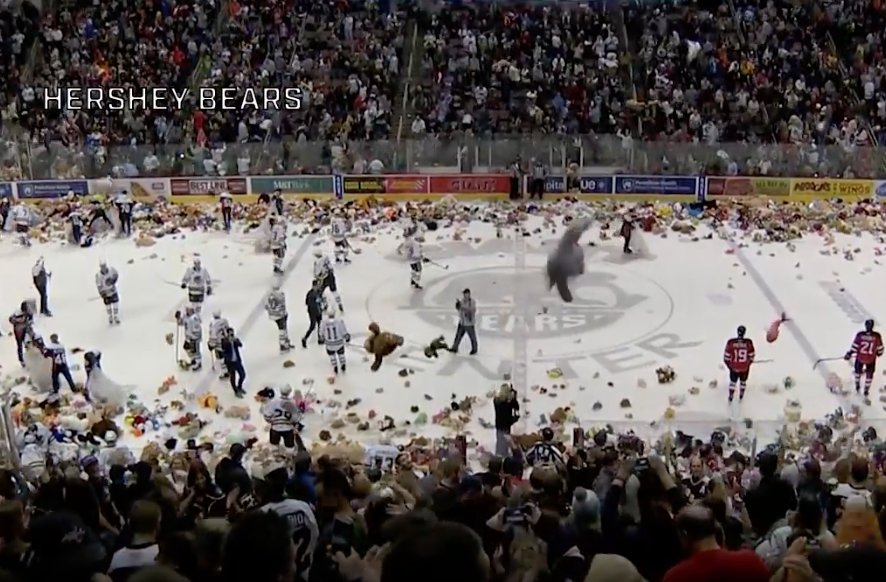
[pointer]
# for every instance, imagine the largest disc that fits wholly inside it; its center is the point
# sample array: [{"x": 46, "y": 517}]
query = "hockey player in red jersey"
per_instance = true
[
  {"x": 867, "y": 347},
  {"x": 738, "y": 357}
]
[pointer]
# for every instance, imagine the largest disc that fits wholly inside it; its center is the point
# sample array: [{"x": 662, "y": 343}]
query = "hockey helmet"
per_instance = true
[
  {"x": 217, "y": 314},
  {"x": 266, "y": 392},
  {"x": 318, "y": 253},
  {"x": 869, "y": 325},
  {"x": 741, "y": 331}
]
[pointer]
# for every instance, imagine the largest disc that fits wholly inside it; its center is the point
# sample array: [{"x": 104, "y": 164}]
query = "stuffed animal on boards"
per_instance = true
[
  {"x": 435, "y": 346},
  {"x": 568, "y": 260},
  {"x": 380, "y": 344}
]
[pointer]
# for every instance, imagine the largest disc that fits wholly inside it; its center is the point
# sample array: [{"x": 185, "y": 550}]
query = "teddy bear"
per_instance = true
[
  {"x": 380, "y": 344},
  {"x": 435, "y": 346}
]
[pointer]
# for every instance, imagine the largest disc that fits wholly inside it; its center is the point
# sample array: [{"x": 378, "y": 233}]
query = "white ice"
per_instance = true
[{"x": 675, "y": 307}]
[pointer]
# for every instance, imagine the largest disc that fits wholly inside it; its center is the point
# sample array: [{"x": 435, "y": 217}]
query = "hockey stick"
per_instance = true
[
  {"x": 177, "y": 328},
  {"x": 439, "y": 265},
  {"x": 764, "y": 361},
  {"x": 820, "y": 360}
]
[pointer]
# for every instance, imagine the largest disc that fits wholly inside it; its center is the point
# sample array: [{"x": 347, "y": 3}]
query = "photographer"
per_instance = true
[{"x": 507, "y": 413}]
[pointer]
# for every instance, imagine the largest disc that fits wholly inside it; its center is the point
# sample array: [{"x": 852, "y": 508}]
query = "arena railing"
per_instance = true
[{"x": 606, "y": 154}]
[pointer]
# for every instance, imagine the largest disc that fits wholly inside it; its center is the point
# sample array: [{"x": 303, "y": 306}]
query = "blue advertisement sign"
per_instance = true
[
  {"x": 880, "y": 188},
  {"x": 586, "y": 185},
  {"x": 6, "y": 190},
  {"x": 555, "y": 185},
  {"x": 595, "y": 184},
  {"x": 656, "y": 185},
  {"x": 52, "y": 189}
]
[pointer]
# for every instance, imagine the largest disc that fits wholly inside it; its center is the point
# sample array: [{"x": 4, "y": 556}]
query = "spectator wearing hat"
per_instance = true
[
  {"x": 707, "y": 560},
  {"x": 63, "y": 547}
]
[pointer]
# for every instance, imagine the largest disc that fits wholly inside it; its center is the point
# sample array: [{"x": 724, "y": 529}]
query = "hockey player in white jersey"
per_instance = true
[
  {"x": 275, "y": 305},
  {"x": 335, "y": 335},
  {"x": 106, "y": 282},
  {"x": 277, "y": 242},
  {"x": 193, "y": 329},
  {"x": 218, "y": 327},
  {"x": 415, "y": 258},
  {"x": 324, "y": 273},
  {"x": 21, "y": 218},
  {"x": 283, "y": 416},
  {"x": 198, "y": 283},
  {"x": 339, "y": 239}
]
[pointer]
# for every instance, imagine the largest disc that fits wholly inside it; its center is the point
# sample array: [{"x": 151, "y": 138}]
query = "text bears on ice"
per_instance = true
[{"x": 167, "y": 99}]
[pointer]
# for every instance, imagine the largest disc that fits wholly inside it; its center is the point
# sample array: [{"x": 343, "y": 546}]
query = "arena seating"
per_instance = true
[{"x": 714, "y": 86}]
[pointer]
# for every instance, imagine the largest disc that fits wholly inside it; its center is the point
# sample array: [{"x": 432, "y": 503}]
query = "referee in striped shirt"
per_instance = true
[
  {"x": 545, "y": 450},
  {"x": 537, "y": 184}
]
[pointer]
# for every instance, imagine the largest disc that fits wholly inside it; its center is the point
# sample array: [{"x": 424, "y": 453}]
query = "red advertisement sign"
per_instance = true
[
  {"x": 407, "y": 184},
  {"x": 208, "y": 186},
  {"x": 470, "y": 184}
]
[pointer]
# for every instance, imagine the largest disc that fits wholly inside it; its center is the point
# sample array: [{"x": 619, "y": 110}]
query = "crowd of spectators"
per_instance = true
[
  {"x": 715, "y": 86},
  {"x": 600, "y": 511}
]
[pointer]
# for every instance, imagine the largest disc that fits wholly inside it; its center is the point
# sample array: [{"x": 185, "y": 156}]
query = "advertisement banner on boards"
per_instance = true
[
  {"x": 412, "y": 184},
  {"x": 880, "y": 188},
  {"x": 143, "y": 189},
  {"x": 471, "y": 184},
  {"x": 656, "y": 186},
  {"x": 596, "y": 185},
  {"x": 208, "y": 186},
  {"x": 46, "y": 189},
  {"x": 744, "y": 186},
  {"x": 305, "y": 185},
  {"x": 831, "y": 188},
  {"x": 7, "y": 190},
  {"x": 363, "y": 185}
]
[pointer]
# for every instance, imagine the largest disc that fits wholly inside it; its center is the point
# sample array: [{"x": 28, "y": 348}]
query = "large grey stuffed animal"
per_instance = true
[{"x": 568, "y": 261}]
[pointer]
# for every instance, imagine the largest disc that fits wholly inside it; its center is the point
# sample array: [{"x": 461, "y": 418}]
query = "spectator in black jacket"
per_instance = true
[{"x": 507, "y": 413}]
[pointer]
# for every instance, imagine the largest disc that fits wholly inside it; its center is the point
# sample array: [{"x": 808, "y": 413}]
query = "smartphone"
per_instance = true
[
  {"x": 578, "y": 437},
  {"x": 515, "y": 515},
  {"x": 641, "y": 465}
]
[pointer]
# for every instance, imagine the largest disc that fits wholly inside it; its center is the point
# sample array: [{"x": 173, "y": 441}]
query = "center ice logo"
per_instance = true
[{"x": 613, "y": 306}]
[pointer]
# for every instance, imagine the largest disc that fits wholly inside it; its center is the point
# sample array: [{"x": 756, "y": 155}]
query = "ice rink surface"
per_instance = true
[{"x": 674, "y": 306}]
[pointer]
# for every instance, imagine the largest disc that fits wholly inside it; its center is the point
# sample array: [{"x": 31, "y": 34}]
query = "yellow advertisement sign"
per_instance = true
[
  {"x": 744, "y": 186},
  {"x": 820, "y": 188}
]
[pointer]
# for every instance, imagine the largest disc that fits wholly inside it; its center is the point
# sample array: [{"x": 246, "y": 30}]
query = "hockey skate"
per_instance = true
[
  {"x": 196, "y": 366},
  {"x": 335, "y": 370},
  {"x": 285, "y": 347},
  {"x": 304, "y": 343},
  {"x": 417, "y": 287}
]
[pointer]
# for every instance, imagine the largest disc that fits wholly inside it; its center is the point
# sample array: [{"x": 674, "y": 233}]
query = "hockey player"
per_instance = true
[
  {"x": 106, "y": 282},
  {"x": 324, "y": 273},
  {"x": 41, "y": 282},
  {"x": 866, "y": 347},
  {"x": 275, "y": 305},
  {"x": 22, "y": 328},
  {"x": 339, "y": 239},
  {"x": 193, "y": 329},
  {"x": 316, "y": 304},
  {"x": 217, "y": 329},
  {"x": 415, "y": 257},
  {"x": 56, "y": 352},
  {"x": 738, "y": 357},
  {"x": 277, "y": 242},
  {"x": 335, "y": 336},
  {"x": 21, "y": 218},
  {"x": 97, "y": 213},
  {"x": 124, "y": 213},
  {"x": 198, "y": 283},
  {"x": 282, "y": 415},
  {"x": 276, "y": 202},
  {"x": 226, "y": 203}
]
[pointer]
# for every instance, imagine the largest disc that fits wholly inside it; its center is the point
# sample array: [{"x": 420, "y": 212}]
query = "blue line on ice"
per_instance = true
[{"x": 254, "y": 315}]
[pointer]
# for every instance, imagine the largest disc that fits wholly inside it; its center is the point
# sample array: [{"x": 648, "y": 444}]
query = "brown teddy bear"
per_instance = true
[{"x": 380, "y": 344}]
